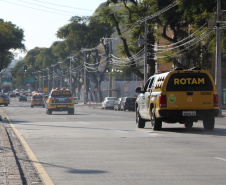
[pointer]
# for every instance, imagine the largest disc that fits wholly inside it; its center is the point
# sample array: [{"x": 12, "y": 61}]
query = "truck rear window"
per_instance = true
[{"x": 189, "y": 82}]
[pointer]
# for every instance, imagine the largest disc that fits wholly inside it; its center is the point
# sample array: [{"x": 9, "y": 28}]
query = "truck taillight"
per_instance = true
[
  {"x": 71, "y": 98},
  {"x": 215, "y": 100},
  {"x": 51, "y": 98},
  {"x": 162, "y": 101}
]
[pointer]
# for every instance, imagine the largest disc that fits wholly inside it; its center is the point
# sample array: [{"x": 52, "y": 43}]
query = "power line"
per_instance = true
[
  {"x": 64, "y": 6},
  {"x": 47, "y": 7},
  {"x": 36, "y": 8}
]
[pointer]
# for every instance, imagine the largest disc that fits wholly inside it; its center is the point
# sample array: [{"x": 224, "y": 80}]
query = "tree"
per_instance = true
[
  {"x": 181, "y": 21},
  {"x": 11, "y": 38},
  {"x": 82, "y": 32}
]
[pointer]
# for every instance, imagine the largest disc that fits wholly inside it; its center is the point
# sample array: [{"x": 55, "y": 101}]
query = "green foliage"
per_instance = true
[
  {"x": 83, "y": 32},
  {"x": 60, "y": 50},
  {"x": 11, "y": 37},
  {"x": 173, "y": 26}
]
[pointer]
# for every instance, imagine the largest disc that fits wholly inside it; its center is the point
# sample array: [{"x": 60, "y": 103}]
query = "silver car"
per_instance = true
[
  {"x": 76, "y": 100},
  {"x": 109, "y": 102}
]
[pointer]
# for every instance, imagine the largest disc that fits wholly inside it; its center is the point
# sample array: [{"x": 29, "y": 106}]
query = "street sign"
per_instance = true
[
  {"x": 6, "y": 79},
  {"x": 95, "y": 89},
  {"x": 30, "y": 79},
  {"x": 126, "y": 87},
  {"x": 139, "y": 84}
]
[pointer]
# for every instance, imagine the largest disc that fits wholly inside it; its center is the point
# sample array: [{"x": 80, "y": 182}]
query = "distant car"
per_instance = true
[
  {"x": 37, "y": 100},
  {"x": 17, "y": 93},
  {"x": 118, "y": 104},
  {"x": 128, "y": 103},
  {"x": 4, "y": 100},
  {"x": 109, "y": 102},
  {"x": 12, "y": 94},
  {"x": 76, "y": 100},
  {"x": 22, "y": 98}
]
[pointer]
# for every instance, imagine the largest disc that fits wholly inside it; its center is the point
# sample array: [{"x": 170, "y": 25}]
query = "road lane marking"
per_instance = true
[
  {"x": 45, "y": 177},
  {"x": 220, "y": 158},
  {"x": 125, "y": 132}
]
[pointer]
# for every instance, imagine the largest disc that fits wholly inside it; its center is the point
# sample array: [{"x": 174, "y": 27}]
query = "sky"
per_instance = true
[{"x": 41, "y": 19}]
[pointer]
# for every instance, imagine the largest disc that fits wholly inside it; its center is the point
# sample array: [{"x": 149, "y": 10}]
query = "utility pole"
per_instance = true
[
  {"x": 85, "y": 93},
  {"x": 70, "y": 75},
  {"x": 48, "y": 81},
  {"x": 145, "y": 51},
  {"x": 218, "y": 56},
  {"x": 43, "y": 81},
  {"x": 53, "y": 76},
  {"x": 110, "y": 76}
]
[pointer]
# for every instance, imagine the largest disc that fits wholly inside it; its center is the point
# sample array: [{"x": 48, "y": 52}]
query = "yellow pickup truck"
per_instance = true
[{"x": 183, "y": 96}]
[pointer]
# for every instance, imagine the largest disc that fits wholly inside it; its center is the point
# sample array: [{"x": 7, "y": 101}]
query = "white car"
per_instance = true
[
  {"x": 76, "y": 100},
  {"x": 109, "y": 102}
]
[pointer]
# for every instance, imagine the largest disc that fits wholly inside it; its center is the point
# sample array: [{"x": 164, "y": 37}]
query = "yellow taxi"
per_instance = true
[
  {"x": 183, "y": 96},
  {"x": 4, "y": 99},
  {"x": 60, "y": 99},
  {"x": 37, "y": 99}
]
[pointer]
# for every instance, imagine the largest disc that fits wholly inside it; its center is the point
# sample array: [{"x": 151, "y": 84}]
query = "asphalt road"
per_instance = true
[{"x": 96, "y": 146}]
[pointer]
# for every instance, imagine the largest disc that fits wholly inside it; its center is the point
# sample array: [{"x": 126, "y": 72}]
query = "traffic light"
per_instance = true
[
  {"x": 57, "y": 68},
  {"x": 25, "y": 68}
]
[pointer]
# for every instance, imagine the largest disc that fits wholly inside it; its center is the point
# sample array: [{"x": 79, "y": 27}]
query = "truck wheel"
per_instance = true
[
  {"x": 156, "y": 123},
  {"x": 71, "y": 111},
  {"x": 208, "y": 123},
  {"x": 48, "y": 111},
  {"x": 6, "y": 105},
  {"x": 140, "y": 122},
  {"x": 188, "y": 124}
]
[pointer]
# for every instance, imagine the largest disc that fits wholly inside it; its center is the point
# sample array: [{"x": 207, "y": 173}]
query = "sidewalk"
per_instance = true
[
  {"x": 15, "y": 166},
  {"x": 9, "y": 171}
]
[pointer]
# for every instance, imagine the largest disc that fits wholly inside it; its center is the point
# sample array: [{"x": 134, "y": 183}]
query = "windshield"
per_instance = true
[
  {"x": 112, "y": 98},
  {"x": 37, "y": 97}
]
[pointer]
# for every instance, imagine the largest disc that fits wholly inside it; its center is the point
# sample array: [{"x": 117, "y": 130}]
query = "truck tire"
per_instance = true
[
  {"x": 156, "y": 123},
  {"x": 49, "y": 111},
  {"x": 71, "y": 111},
  {"x": 208, "y": 123},
  {"x": 140, "y": 122}
]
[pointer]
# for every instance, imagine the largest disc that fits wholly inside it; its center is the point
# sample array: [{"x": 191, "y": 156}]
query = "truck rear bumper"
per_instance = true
[{"x": 200, "y": 114}]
